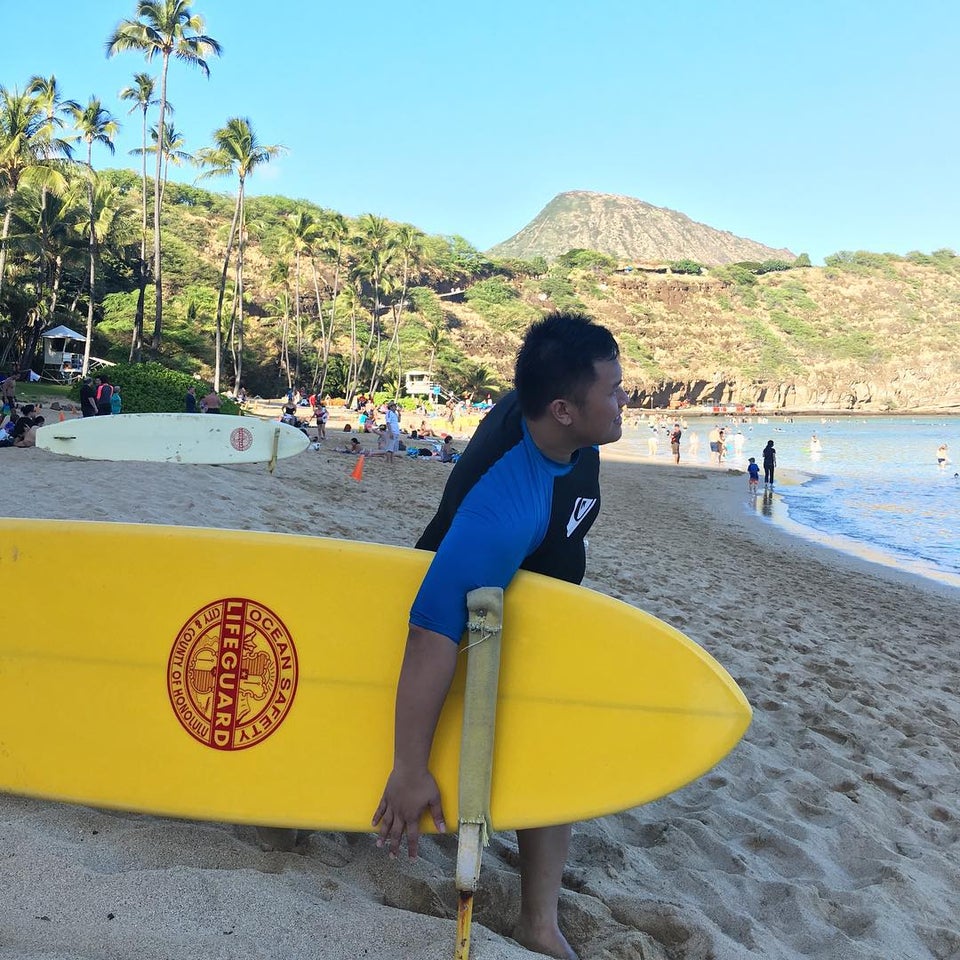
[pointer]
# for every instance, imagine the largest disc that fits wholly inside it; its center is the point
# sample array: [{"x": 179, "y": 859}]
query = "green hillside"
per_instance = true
[{"x": 378, "y": 298}]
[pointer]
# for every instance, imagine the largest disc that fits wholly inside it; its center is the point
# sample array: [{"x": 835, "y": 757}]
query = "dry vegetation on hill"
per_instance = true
[{"x": 872, "y": 332}]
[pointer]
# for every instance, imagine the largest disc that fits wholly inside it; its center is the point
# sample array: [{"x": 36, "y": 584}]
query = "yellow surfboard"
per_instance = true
[{"x": 190, "y": 677}]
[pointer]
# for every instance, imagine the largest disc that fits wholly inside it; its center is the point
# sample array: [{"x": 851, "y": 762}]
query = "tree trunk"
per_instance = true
[
  {"x": 223, "y": 285},
  {"x": 327, "y": 333},
  {"x": 3, "y": 237},
  {"x": 136, "y": 341},
  {"x": 238, "y": 381},
  {"x": 296, "y": 311},
  {"x": 157, "y": 267},
  {"x": 93, "y": 256}
]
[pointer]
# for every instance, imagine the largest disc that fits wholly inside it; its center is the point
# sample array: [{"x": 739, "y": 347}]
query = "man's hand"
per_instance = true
[
  {"x": 405, "y": 798},
  {"x": 429, "y": 662}
]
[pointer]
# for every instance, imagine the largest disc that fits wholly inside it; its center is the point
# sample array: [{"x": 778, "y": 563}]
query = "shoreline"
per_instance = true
[{"x": 871, "y": 556}]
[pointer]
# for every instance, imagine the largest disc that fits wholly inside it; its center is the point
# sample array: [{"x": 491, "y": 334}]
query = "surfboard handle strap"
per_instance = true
[{"x": 484, "y": 624}]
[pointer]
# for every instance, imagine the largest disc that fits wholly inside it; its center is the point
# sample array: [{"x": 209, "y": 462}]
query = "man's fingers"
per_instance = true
[
  {"x": 436, "y": 811},
  {"x": 381, "y": 810},
  {"x": 413, "y": 839}
]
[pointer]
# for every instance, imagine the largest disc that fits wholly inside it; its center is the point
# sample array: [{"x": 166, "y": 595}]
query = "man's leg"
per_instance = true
[{"x": 543, "y": 854}]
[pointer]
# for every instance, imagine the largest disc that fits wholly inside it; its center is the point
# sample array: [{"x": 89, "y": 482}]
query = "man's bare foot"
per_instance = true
[{"x": 550, "y": 942}]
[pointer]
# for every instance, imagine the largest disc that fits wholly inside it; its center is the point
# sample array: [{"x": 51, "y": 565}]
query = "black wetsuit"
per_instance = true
[{"x": 524, "y": 511}]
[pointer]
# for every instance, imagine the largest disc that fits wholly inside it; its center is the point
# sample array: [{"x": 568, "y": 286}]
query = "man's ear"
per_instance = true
[{"x": 560, "y": 410}]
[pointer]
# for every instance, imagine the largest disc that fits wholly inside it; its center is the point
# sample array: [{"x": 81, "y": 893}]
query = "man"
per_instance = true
[
  {"x": 88, "y": 398},
  {"x": 393, "y": 431},
  {"x": 675, "y": 442},
  {"x": 523, "y": 494},
  {"x": 211, "y": 402},
  {"x": 8, "y": 392},
  {"x": 190, "y": 401}
]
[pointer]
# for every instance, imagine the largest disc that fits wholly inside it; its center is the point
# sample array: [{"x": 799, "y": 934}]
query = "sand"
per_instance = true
[{"x": 830, "y": 832}]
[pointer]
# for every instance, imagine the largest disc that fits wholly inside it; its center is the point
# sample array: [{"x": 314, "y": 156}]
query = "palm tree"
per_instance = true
[
  {"x": 300, "y": 232},
  {"x": 280, "y": 307},
  {"x": 436, "y": 337},
  {"x": 335, "y": 232},
  {"x": 476, "y": 378},
  {"x": 237, "y": 152},
  {"x": 141, "y": 94},
  {"x": 55, "y": 107},
  {"x": 374, "y": 248},
  {"x": 60, "y": 216},
  {"x": 96, "y": 125},
  {"x": 407, "y": 240},
  {"x": 172, "y": 142},
  {"x": 162, "y": 28},
  {"x": 27, "y": 143}
]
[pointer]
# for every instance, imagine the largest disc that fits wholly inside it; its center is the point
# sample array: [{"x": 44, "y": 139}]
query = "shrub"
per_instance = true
[
  {"x": 153, "y": 388},
  {"x": 736, "y": 273},
  {"x": 686, "y": 266},
  {"x": 492, "y": 291},
  {"x": 773, "y": 266},
  {"x": 581, "y": 259}
]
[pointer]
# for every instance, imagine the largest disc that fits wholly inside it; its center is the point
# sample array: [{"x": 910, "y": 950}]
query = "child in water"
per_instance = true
[{"x": 753, "y": 470}]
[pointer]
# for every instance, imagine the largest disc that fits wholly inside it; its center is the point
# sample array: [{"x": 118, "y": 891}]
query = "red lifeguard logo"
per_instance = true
[
  {"x": 232, "y": 674},
  {"x": 241, "y": 439}
]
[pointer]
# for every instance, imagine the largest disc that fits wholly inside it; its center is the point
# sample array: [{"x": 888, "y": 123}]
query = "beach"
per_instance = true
[{"x": 831, "y": 830}]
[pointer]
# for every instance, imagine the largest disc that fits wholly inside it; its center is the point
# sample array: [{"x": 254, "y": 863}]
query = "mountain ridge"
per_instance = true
[{"x": 629, "y": 229}]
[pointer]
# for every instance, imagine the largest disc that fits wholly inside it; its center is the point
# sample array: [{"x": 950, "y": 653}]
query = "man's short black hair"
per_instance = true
[{"x": 557, "y": 360}]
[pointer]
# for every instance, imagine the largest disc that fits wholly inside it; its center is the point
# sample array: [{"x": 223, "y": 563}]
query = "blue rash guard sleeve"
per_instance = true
[{"x": 500, "y": 522}]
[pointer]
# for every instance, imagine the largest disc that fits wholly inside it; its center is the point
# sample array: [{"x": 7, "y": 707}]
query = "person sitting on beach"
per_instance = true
[
  {"x": 289, "y": 417},
  {"x": 6, "y": 432},
  {"x": 28, "y": 438},
  {"x": 354, "y": 446},
  {"x": 447, "y": 453},
  {"x": 424, "y": 430},
  {"x": 754, "y": 473}
]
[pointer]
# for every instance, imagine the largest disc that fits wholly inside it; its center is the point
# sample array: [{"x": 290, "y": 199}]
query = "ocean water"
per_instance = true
[{"x": 874, "y": 487}]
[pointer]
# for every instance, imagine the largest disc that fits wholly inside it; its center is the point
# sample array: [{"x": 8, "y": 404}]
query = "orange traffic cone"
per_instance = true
[{"x": 358, "y": 469}]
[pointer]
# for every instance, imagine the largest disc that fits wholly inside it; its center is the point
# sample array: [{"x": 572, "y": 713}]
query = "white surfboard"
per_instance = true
[{"x": 173, "y": 437}]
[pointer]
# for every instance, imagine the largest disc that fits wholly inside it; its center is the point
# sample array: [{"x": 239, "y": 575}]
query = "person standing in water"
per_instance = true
[{"x": 769, "y": 463}]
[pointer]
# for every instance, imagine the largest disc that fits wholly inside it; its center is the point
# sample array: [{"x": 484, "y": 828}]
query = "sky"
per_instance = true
[{"x": 819, "y": 126}]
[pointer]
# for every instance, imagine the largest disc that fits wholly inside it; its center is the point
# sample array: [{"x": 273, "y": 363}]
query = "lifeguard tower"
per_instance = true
[
  {"x": 62, "y": 354},
  {"x": 417, "y": 383}
]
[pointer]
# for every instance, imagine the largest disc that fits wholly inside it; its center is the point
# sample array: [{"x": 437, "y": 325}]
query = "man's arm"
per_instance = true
[{"x": 429, "y": 663}]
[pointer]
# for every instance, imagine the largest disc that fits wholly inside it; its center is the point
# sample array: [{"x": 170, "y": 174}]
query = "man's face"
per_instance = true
[{"x": 597, "y": 420}]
